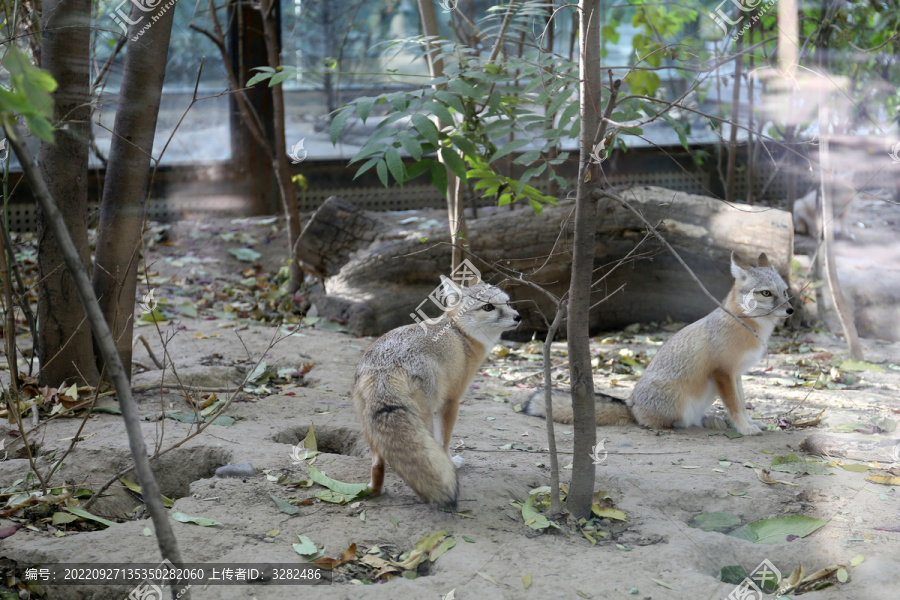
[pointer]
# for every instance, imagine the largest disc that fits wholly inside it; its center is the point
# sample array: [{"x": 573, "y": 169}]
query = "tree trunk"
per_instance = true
[
  {"x": 581, "y": 487},
  {"x": 128, "y": 174},
  {"x": 374, "y": 282},
  {"x": 250, "y": 110},
  {"x": 731, "y": 170},
  {"x": 455, "y": 214},
  {"x": 64, "y": 338},
  {"x": 271, "y": 25}
]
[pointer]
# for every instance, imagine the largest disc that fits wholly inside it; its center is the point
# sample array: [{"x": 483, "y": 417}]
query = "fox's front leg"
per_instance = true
[
  {"x": 738, "y": 383},
  {"x": 448, "y": 419},
  {"x": 728, "y": 391}
]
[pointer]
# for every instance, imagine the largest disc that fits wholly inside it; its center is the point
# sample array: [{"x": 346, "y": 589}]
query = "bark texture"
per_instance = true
[
  {"x": 128, "y": 174},
  {"x": 64, "y": 342}
]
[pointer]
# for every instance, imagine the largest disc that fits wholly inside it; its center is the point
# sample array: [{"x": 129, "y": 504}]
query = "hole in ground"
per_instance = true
[
  {"x": 331, "y": 440},
  {"x": 174, "y": 472}
]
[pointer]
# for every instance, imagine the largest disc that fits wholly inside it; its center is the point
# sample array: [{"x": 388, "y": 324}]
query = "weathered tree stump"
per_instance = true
[{"x": 382, "y": 281}]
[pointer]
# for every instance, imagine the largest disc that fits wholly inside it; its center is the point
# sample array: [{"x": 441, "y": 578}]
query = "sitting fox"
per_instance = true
[
  {"x": 703, "y": 360},
  {"x": 417, "y": 373}
]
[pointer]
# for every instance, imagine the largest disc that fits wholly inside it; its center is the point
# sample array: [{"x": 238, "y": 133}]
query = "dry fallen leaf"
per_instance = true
[
  {"x": 884, "y": 479},
  {"x": 764, "y": 476}
]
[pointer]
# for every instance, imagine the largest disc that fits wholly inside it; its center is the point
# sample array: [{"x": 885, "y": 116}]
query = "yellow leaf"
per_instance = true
[
  {"x": 842, "y": 575},
  {"x": 609, "y": 513},
  {"x": 884, "y": 479},
  {"x": 527, "y": 581},
  {"x": 309, "y": 442},
  {"x": 72, "y": 392},
  {"x": 857, "y": 560}
]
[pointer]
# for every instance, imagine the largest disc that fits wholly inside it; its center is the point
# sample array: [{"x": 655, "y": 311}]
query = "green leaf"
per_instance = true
[
  {"x": 451, "y": 100},
  {"x": 534, "y": 519},
  {"x": 80, "y": 512},
  {"x": 440, "y": 111},
  {"x": 508, "y": 148},
  {"x": 258, "y": 77},
  {"x": 394, "y": 163},
  {"x": 381, "y": 169},
  {"x": 418, "y": 168},
  {"x": 570, "y": 111},
  {"x": 338, "y": 123},
  {"x": 366, "y": 166},
  {"x": 464, "y": 88},
  {"x": 62, "y": 518},
  {"x": 351, "y": 489},
  {"x": 40, "y": 127},
  {"x": 284, "y": 506},
  {"x": 282, "y": 76},
  {"x": 306, "y": 547},
  {"x": 410, "y": 144},
  {"x": 203, "y": 522},
  {"x": 859, "y": 365},
  {"x": 136, "y": 488},
  {"x": 777, "y": 530},
  {"x": 453, "y": 160},
  {"x": 721, "y": 522},
  {"x": 426, "y": 128},
  {"x": 245, "y": 254},
  {"x": 364, "y": 107},
  {"x": 467, "y": 147},
  {"x": 439, "y": 177},
  {"x": 536, "y": 206},
  {"x": 558, "y": 101}
]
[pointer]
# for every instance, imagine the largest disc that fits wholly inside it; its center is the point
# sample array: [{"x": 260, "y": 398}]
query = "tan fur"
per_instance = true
[
  {"x": 703, "y": 360},
  {"x": 415, "y": 373},
  {"x": 609, "y": 410}
]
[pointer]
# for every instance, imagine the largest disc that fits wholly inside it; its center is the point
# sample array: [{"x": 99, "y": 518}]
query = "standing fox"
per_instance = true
[
  {"x": 705, "y": 359},
  {"x": 415, "y": 374}
]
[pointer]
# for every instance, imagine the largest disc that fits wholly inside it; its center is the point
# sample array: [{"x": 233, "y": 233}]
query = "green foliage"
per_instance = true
[
  {"x": 28, "y": 96},
  {"x": 477, "y": 114}
]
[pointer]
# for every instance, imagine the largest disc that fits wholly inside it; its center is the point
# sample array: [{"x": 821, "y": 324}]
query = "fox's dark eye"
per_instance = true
[
  {"x": 488, "y": 307},
  {"x": 766, "y": 293}
]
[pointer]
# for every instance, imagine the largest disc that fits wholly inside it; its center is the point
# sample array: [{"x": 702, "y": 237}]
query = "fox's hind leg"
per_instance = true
[{"x": 377, "y": 482}]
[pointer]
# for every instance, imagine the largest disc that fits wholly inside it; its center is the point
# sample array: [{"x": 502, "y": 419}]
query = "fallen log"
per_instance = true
[
  {"x": 885, "y": 450},
  {"x": 378, "y": 284}
]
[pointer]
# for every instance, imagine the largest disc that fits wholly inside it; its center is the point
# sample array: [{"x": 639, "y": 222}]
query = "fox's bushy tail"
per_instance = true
[
  {"x": 396, "y": 432},
  {"x": 610, "y": 410}
]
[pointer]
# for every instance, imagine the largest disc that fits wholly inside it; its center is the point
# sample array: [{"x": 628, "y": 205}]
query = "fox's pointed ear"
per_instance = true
[
  {"x": 738, "y": 267},
  {"x": 763, "y": 261}
]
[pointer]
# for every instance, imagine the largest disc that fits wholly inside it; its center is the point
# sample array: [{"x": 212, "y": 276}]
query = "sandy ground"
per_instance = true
[{"x": 660, "y": 480}]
